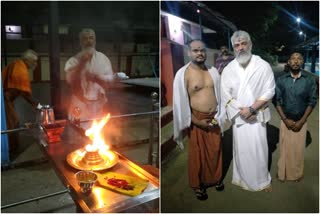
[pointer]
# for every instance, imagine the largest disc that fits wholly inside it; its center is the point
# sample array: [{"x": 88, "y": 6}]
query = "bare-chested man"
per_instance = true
[{"x": 195, "y": 106}]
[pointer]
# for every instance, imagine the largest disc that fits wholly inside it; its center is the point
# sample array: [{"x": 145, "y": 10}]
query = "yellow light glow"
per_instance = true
[
  {"x": 81, "y": 153},
  {"x": 95, "y": 134},
  {"x": 99, "y": 197}
]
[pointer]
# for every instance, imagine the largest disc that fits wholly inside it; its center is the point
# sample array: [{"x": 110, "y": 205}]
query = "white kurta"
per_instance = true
[
  {"x": 93, "y": 93},
  {"x": 241, "y": 88},
  {"x": 181, "y": 105}
]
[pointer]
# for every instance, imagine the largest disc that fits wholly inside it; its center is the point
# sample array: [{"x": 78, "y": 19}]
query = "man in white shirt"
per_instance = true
[
  {"x": 247, "y": 84},
  {"x": 196, "y": 107},
  {"x": 87, "y": 73}
]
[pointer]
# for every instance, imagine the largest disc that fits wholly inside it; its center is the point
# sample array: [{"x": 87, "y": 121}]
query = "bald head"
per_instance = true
[
  {"x": 195, "y": 40},
  {"x": 197, "y": 52}
]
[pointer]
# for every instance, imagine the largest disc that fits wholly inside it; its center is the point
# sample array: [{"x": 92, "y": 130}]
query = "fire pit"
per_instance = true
[
  {"x": 92, "y": 158},
  {"x": 96, "y": 156},
  {"x": 79, "y": 159}
]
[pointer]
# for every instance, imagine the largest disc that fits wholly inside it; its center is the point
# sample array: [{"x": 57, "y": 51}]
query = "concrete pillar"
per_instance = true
[{"x": 54, "y": 58}]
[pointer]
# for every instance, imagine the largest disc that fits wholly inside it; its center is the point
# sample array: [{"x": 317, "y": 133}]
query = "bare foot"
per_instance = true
[
  {"x": 268, "y": 189},
  {"x": 281, "y": 180}
]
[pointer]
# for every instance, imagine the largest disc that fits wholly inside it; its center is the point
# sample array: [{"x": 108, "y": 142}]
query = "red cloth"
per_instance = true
[
  {"x": 205, "y": 154},
  {"x": 16, "y": 82},
  {"x": 16, "y": 76}
]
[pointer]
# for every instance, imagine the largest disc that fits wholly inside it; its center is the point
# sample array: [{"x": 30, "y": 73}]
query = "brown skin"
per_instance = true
[
  {"x": 295, "y": 125},
  {"x": 200, "y": 85},
  {"x": 224, "y": 52},
  {"x": 298, "y": 125},
  {"x": 288, "y": 122},
  {"x": 295, "y": 62}
]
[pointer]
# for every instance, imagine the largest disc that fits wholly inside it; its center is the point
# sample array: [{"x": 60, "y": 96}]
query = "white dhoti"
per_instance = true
[
  {"x": 250, "y": 157},
  {"x": 242, "y": 88}
]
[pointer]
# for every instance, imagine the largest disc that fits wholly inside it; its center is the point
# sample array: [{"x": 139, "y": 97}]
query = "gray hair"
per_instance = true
[
  {"x": 240, "y": 34},
  {"x": 86, "y": 31},
  {"x": 29, "y": 55}
]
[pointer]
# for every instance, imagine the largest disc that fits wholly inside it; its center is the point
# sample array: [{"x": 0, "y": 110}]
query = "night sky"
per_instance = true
[{"x": 249, "y": 16}]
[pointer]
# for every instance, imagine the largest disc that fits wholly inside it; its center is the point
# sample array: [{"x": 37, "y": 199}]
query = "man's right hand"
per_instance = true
[
  {"x": 244, "y": 112},
  {"x": 297, "y": 126},
  {"x": 289, "y": 123},
  {"x": 84, "y": 56}
]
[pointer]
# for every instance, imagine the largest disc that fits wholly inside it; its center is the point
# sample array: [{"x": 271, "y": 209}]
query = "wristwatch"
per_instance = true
[{"x": 252, "y": 111}]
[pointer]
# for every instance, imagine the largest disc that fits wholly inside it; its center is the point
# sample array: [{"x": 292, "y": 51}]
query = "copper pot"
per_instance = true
[{"x": 46, "y": 115}]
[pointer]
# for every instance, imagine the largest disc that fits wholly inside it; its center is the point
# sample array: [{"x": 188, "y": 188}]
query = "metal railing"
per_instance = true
[
  {"x": 35, "y": 199},
  {"x": 151, "y": 154}
]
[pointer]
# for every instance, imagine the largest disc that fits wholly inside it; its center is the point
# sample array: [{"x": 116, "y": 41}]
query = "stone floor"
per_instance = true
[{"x": 302, "y": 197}]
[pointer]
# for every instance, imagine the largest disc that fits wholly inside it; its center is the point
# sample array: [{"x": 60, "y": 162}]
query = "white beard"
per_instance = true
[
  {"x": 243, "y": 57},
  {"x": 89, "y": 50}
]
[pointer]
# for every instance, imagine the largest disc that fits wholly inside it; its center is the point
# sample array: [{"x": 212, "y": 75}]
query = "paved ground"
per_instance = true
[{"x": 302, "y": 197}]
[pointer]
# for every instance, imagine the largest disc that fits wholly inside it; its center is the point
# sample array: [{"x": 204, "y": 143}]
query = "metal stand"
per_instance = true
[
  {"x": 9, "y": 165},
  {"x": 151, "y": 154},
  {"x": 34, "y": 199},
  {"x": 154, "y": 114}
]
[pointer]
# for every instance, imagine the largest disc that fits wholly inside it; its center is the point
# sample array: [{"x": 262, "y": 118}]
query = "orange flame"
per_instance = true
[{"x": 95, "y": 134}]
